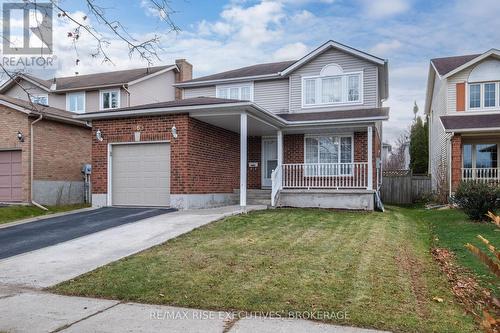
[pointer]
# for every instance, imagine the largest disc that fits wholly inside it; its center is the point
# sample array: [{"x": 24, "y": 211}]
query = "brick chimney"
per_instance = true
[{"x": 185, "y": 73}]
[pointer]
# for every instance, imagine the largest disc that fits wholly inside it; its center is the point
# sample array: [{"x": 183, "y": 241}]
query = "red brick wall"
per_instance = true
[
  {"x": 60, "y": 150},
  {"x": 293, "y": 148},
  {"x": 456, "y": 160},
  {"x": 255, "y": 155},
  {"x": 214, "y": 159},
  {"x": 12, "y": 121},
  {"x": 204, "y": 158}
]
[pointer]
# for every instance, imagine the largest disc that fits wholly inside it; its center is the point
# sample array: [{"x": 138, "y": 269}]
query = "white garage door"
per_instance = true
[{"x": 141, "y": 174}]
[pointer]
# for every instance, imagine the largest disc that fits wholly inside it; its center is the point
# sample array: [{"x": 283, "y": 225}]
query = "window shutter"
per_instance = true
[{"x": 460, "y": 97}]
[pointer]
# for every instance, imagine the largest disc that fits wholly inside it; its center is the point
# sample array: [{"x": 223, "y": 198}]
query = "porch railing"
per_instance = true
[
  {"x": 325, "y": 175},
  {"x": 486, "y": 175},
  {"x": 277, "y": 183}
]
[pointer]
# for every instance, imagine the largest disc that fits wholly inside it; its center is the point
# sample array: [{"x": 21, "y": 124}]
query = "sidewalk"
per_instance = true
[{"x": 33, "y": 311}]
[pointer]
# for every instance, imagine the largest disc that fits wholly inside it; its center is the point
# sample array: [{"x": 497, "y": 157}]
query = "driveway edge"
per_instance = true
[{"x": 43, "y": 217}]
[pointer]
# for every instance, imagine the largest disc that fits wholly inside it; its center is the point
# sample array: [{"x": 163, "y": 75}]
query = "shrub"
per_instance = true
[{"x": 476, "y": 199}]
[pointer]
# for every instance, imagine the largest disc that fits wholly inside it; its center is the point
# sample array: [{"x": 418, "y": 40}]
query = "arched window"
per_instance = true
[
  {"x": 483, "y": 86},
  {"x": 333, "y": 86}
]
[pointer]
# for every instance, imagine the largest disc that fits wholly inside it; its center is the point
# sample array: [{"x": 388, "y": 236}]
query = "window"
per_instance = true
[
  {"x": 110, "y": 99},
  {"x": 40, "y": 99},
  {"x": 328, "y": 149},
  {"x": 337, "y": 89},
  {"x": 480, "y": 156},
  {"x": 75, "y": 102},
  {"x": 474, "y": 96},
  {"x": 483, "y": 95},
  {"x": 242, "y": 92},
  {"x": 489, "y": 95}
]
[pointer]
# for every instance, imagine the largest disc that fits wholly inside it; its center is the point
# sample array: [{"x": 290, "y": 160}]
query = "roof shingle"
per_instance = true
[
  {"x": 471, "y": 121},
  {"x": 447, "y": 64},
  {"x": 254, "y": 70}
]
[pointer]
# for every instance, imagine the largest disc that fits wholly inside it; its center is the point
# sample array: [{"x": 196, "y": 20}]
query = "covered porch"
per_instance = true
[
  {"x": 474, "y": 142},
  {"x": 303, "y": 164}
]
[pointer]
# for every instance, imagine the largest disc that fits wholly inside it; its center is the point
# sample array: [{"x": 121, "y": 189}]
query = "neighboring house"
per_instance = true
[
  {"x": 62, "y": 144},
  {"x": 102, "y": 91},
  {"x": 463, "y": 104},
  {"x": 307, "y": 132},
  {"x": 42, "y": 151}
]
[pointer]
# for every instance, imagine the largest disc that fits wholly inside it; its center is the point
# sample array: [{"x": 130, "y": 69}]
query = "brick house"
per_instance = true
[
  {"x": 304, "y": 133},
  {"x": 463, "y": 100},
  {"x": 62, "y": 144},
  {"x": 42, "y": 150}
]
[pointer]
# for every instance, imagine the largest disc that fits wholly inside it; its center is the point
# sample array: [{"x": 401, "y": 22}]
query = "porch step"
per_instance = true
[{"x": 257, "y": 197}]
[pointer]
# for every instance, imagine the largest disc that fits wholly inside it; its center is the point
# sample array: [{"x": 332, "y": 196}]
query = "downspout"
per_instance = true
[
  {"x": 450, "y": 162},
  {"x": 32, "y": 140},
  {"x": 128, "y": 93}
]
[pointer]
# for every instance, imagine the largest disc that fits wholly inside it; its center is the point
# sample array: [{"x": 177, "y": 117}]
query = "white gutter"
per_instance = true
[
  {"x": 32, "y": 140},
  {"x": 468, "y": 130}
]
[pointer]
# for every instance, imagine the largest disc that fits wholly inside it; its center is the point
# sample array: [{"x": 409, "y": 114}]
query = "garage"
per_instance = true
[
  {"x": 140, "y": 174},
  {"x": 11, "y": 176}
]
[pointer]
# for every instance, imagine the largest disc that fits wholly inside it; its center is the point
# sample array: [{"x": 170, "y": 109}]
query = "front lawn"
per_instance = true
[
  {"x": 375, "y": 266},
  {"x": 452, "y": 230},
  {"x": 13, "y": 213}
]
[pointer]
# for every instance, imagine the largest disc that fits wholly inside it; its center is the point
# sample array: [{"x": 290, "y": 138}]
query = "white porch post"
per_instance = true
[
  {"x": 243, "y": 159},
  {"x": 280, "y": 148},
  {"x": 370, "y": 162}
]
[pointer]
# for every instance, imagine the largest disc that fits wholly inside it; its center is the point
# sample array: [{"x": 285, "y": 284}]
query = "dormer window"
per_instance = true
[
  {"x": 242, "y": 91},
  {"x": 332, "y": 87}
]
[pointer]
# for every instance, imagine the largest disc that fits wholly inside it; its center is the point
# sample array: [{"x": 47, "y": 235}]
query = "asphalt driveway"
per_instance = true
[{"x": 39, "y": 234}]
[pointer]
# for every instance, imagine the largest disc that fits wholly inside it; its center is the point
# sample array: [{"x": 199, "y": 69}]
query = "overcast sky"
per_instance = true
[{"x": 219, "y": 35}]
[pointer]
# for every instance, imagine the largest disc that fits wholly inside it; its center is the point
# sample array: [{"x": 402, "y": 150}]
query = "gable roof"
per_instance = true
[
  {"x": 445, "y": 65},
  {"x": 276, "y": 70},
  {"x": 272, "y": 68},
  {"x": 336, "y": 45},
  {"x": 98, "y": 80},
  {"x": 37, "y": 109}
]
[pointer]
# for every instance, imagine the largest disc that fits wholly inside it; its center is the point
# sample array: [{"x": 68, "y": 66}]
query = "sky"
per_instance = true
[{"x": 219, "y": 35}]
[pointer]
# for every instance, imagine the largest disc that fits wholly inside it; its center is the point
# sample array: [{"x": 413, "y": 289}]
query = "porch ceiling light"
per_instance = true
[
  {"x": 98, "y": 135},
  {"x": 174, "y": 132},
  {"x": 20, "y": 136}
]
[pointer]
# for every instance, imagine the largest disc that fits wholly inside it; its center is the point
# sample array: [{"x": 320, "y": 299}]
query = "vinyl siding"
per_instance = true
[
  {"x": 207, "y": 91},
  {"x": 156, "y": 89},
  {"x": 349, "y": 63},
  {"x": 438, "y": 139},
  {"x": 272, "y": 95},
  {"x": 460, "y": 77}
]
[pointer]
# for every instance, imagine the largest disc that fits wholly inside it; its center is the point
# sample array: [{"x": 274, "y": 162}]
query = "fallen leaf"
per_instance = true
[{"x": 438, "y": 299}]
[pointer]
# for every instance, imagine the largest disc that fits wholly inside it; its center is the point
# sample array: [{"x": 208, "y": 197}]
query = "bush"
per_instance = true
[{"x": 476, "y": 199}]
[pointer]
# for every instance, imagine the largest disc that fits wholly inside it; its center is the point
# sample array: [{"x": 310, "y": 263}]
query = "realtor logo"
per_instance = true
[{"x": 27, "y": 28}]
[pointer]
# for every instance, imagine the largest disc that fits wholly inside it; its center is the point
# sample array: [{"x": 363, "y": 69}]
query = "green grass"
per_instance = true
[
  {"x": 14, "y": 213},
  {"x": 375, "y": 266},
  {"x": 453, "y": 230}
]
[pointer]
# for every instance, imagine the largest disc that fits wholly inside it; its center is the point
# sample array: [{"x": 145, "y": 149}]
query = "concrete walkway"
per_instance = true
[
  {"x": 33, "y": 311},
  {"x": 48, "y": 266}
]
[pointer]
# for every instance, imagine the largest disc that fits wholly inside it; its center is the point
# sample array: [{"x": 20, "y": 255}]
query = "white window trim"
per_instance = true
[
  {"x": 40, "y": 95},
  {"x": 237, "y": 85},
  {"x": 345, "y": 89},
  {"x": 84, "y": 101},
  {"x": 340, "y": 136},
  {"x": 482, "y": 95},
  {"x": 101, "y": 92}
]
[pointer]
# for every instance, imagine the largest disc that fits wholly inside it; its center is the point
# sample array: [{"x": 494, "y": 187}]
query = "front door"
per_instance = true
[{"x": 269, "y": 160}]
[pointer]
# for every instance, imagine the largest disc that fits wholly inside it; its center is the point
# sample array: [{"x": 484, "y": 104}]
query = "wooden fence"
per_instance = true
[{"x": 402, "y": 187}]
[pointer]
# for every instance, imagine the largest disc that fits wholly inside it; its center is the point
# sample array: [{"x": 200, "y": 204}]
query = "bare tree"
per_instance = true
[
  {"x": 100, "y": 32},
  {"x": 397, "y": 159}
]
